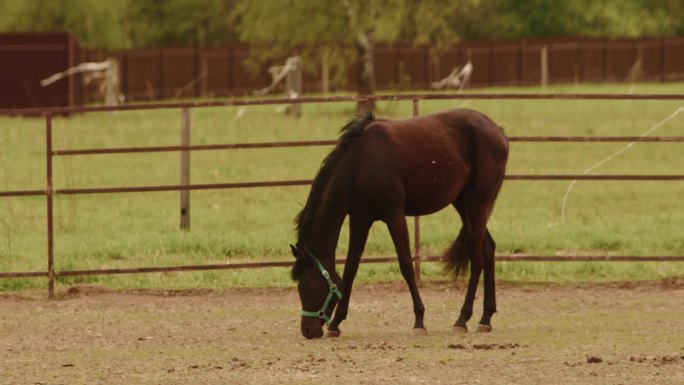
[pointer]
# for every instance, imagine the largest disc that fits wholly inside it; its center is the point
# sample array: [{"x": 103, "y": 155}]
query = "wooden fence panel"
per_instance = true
[{"x": 192, "y": 72}]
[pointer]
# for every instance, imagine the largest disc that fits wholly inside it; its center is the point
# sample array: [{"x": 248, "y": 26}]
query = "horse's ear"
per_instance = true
[{"x": 295, "y": 252}]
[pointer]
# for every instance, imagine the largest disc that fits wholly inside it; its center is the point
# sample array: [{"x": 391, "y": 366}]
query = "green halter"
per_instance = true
[{"x": 333, "y": 291}]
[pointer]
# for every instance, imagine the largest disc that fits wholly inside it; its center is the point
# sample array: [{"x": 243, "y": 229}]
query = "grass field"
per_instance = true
[{"x": 136, "y": 230}]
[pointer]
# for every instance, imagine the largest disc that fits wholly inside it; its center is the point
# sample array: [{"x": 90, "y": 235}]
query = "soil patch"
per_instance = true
[{"x": 543, "y": 334}]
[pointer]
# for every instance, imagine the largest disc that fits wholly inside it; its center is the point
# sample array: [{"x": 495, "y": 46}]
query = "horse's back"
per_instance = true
[
  {"x": 428, "y": 160},
  {"x": 474, "y": 128},
  {"x": 462, "y": 135}
]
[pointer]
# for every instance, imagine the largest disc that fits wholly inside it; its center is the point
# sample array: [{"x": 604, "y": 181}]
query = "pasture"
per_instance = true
[
  {"x": 138, "y": 230},
  {"x": 579, "y": 322}
]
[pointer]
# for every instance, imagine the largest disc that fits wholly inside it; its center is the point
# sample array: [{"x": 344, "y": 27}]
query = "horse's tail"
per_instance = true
[{"x": 457, "y": 257}]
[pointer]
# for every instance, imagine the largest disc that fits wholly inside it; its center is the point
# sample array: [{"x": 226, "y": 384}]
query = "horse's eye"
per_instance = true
[
  {"x": 304, "y": 282},
  {"x": 309, "y": 283}
]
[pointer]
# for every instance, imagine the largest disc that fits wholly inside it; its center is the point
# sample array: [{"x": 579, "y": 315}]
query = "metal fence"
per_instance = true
[{"x": 50, "y": 192}]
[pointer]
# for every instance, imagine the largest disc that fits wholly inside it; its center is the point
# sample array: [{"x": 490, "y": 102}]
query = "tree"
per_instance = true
[
  {"x": 361, "y": 25},
  {"x": 96, "y": 23},
  {"x": 159, "y": 23},
  {"x": 125, "y": 23},
  {"x": 616, "y": 18},
  {"x": 280, "y": 28}
]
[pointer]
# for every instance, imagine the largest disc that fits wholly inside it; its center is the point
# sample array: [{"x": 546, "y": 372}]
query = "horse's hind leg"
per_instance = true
[
  {"x": 488, "y": 248},
  {"x": 474, "y": 211}
]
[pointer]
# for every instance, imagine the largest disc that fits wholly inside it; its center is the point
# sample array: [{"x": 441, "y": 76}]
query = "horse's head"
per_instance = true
[{"x": 318, "y": 289}]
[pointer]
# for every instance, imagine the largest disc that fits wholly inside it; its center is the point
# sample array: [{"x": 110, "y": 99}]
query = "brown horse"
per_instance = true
[{"x": 385, "y": 170}]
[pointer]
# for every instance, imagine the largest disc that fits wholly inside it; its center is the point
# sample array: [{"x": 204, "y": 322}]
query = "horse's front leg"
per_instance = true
[
  {"x": 399, "y": 232},
  {"x": 358, "y": 234}
]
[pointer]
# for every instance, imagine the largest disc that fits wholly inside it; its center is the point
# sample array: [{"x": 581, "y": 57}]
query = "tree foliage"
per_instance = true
[
  {"x": 98, "y": 23},
  {"x": 152, "y": 23},
  {"x": 125, "y": 23},
  {"x": 322, "y": 27},
  {"x": 160, "y": 23},
  {"x": 282, "y": 28},
  {"x": 625, "y": 18}
]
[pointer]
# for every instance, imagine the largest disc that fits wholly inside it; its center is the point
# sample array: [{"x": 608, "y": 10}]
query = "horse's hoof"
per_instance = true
[
  {"x": 484, "y": 328},
  {"x": 332, "y": 333},
  {"x": 420, "y": 332},
  {"x": 459, "y": 329}
]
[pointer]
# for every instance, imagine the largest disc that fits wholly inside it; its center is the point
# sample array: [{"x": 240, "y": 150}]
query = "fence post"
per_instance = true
[
  {"x": 203, "y": 74},
  {"x": 293, "y": 84},
  {"x": 663, "y": 58},
  {"x": 545, "y": 66},
  {"x": 521, "y": 63},
  {"x": 605, "y": 59},
  {"x": 49, "y": 194},
  {"x": 185, "y": 170},
  {"x": 325, "y": 70},
  {"x": 160, "y": 77},
  {"x": 416, "y": 222}
]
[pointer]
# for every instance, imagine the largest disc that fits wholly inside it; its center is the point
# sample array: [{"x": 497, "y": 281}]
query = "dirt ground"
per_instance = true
[{"x": 543, "y": 334}]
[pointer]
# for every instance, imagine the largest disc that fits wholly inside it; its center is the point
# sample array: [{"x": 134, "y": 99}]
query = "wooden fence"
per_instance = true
[
  {"x": 174, "y": 73},
  {"x": 153, "y": 74}
]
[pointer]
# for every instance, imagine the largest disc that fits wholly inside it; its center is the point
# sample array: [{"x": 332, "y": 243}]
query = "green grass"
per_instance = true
[{"x": 141, "y": 229}]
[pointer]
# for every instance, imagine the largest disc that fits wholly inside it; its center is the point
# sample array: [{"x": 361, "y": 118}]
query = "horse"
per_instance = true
[{"x": 386, "y": 170}]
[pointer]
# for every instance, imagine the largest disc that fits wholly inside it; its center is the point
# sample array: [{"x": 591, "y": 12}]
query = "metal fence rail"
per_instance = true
[
  {"x": 49, "y": 192},
  {"x": 339, "y": 261},
  {"x": 334, "y": 99}
]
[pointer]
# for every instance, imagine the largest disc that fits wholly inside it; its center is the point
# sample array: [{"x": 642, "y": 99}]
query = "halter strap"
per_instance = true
[{"x": 333, "y": 291}]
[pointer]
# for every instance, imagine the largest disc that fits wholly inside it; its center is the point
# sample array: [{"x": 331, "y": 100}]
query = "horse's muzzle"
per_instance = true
[{"x": 312, "y": 327}]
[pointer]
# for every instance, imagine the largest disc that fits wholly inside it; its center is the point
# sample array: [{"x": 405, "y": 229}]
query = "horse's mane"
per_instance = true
[{"x": 349, "y": 134}]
